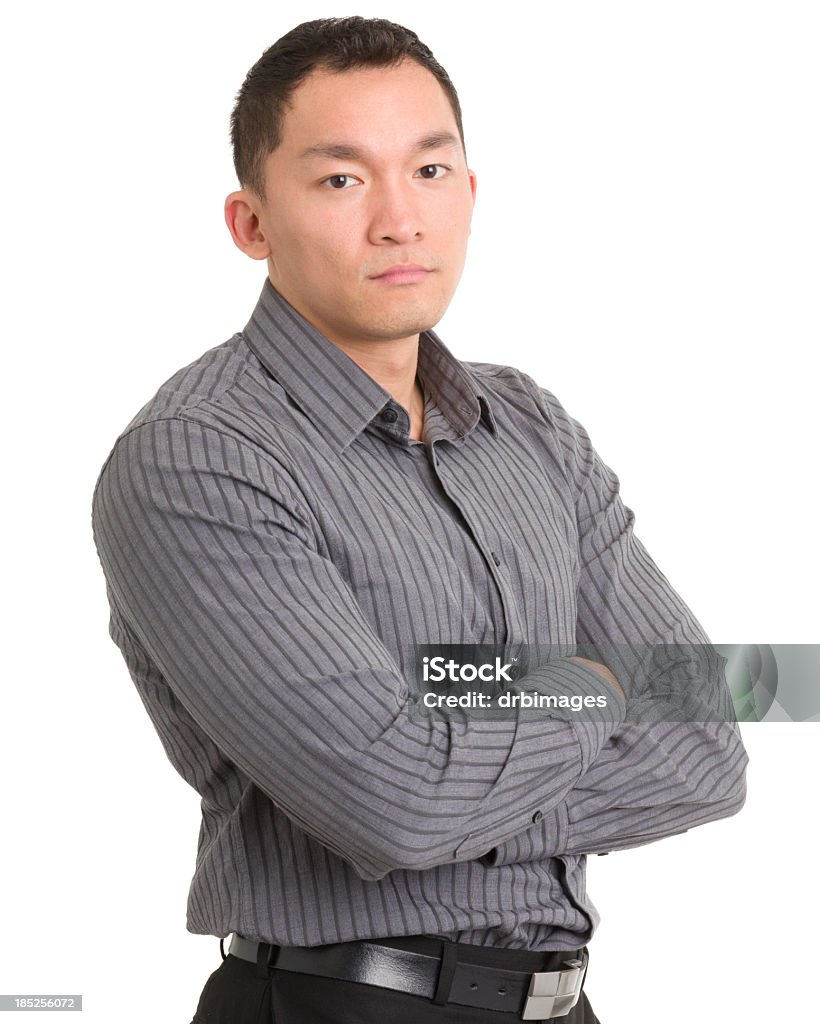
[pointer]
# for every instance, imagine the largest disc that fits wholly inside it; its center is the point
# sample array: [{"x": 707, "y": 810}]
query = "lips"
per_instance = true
[{"x": 402, "y": 273}]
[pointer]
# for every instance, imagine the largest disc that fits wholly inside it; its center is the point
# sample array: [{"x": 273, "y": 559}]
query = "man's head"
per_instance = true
[
  {"x": 349, "y": 146},
  {"x": 331, "y": 44}
]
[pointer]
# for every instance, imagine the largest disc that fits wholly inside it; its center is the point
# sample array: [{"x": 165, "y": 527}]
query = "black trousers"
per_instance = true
[{"x": 240, "y": 992}]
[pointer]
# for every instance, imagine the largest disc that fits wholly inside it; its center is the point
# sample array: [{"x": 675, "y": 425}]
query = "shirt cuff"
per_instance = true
[
  {"x": 572, "y": 692},
  {"x": 546, "y": 838}
]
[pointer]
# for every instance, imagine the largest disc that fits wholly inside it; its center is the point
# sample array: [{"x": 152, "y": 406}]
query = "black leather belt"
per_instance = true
[{"x": 534, "y": 996}]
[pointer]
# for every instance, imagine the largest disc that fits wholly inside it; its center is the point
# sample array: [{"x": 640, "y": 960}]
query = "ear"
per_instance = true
[
  {"x": 242, "y": 217},
  {"x": 473, "y": 182}
]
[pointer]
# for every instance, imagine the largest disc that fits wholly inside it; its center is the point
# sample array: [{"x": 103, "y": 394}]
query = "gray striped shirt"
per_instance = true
[{"x": 274, "y": 544}]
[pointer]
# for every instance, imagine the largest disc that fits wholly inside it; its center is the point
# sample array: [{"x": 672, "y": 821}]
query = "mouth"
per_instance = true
[{"x": 402, "y": 273}]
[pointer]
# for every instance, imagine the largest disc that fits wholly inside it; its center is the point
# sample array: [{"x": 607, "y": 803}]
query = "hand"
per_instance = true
[{"x": 602, "y": 670}]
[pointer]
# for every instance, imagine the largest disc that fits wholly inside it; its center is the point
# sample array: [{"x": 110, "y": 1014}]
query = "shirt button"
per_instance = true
[
  {"x": 390, "y": 415},
  {"x": 538, "y": 816},
  {"x": 495, "y": 558}
]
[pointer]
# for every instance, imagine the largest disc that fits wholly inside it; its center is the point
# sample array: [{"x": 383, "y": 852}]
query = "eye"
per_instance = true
[
  {"x": 341, "y": 181},
  {"x": 432, "y": 171}
]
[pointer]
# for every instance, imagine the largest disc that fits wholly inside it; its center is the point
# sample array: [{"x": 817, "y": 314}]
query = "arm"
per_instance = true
[
  {"x": 678, "y": 760},
  {"x": 212, "y": 561}
]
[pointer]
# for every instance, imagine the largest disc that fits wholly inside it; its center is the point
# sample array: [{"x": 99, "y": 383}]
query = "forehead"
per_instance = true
[{"x": 384, "y": 105}]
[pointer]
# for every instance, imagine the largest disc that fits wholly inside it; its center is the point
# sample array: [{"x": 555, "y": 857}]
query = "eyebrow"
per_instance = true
[{"x": 344, "y": 151}]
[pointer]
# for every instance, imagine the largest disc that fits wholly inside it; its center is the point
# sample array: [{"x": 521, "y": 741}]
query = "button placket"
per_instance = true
[{"x": 512, "y": 616}]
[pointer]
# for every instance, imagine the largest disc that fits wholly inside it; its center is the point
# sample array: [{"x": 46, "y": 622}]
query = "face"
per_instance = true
[{"x": 368, "y": 204}]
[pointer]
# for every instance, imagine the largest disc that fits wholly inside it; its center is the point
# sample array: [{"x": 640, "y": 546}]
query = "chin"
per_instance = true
[
  {"x": 403, "y": 324},
  {"x": 394, "y": 331}
]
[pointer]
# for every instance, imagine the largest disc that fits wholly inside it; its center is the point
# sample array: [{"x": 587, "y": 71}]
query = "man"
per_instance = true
[{"x": 296, "y": 512}]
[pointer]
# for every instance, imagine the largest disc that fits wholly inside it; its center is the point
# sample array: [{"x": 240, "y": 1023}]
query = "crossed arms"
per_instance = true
[{"x": 212, "y": 565}]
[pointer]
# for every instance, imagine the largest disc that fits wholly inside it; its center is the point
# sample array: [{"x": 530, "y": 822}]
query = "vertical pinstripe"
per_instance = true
[{"x": 273, "y": 546}]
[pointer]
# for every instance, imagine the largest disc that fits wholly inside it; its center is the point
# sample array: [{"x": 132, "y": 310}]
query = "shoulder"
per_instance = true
[
  {"x": 217, "y": 415},
  {"x": 536, "y": 417},
  {"x": 514, "y": 387},
  {"x": 206, "y": 381},
  {"x": 200, "y": 385}
]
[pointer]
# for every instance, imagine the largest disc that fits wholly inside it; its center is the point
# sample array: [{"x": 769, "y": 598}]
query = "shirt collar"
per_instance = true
[{"x": 338, "y": 396}]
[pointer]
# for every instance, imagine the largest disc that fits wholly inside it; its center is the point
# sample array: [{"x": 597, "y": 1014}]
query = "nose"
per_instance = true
[{"x": 395, "y": 216}]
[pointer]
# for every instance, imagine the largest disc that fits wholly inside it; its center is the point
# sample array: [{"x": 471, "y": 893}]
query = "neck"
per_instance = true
[{"x": 392, "y": 363}]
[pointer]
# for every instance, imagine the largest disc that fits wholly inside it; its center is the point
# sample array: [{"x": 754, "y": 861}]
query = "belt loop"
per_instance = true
[
  {"x": 449, "y": 960},
  {"x": 265, "y": 957}
]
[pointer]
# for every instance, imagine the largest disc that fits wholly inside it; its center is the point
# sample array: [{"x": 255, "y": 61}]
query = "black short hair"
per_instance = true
[{"x": 337, "y": 44}]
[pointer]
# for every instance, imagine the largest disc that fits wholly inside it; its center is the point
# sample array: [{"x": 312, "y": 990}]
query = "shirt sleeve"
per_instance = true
[
  {"x": 212, "y": 561},
  {"x": 677, "y": 760}
]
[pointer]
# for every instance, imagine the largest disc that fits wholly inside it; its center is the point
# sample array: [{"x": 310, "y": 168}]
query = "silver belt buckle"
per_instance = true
[{"x": 554, "y": 993}]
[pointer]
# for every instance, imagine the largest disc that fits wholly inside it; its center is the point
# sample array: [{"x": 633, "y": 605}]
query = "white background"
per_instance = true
[{"x": 645, "y": 244}]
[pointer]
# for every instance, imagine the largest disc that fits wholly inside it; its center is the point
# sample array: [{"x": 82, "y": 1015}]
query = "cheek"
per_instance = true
[
  {"x": 453, "y": 223},
  {"x": 457, "y": 233},
  {"x": 327, "y": 241},
  {"x": 307, "y": 257}
]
